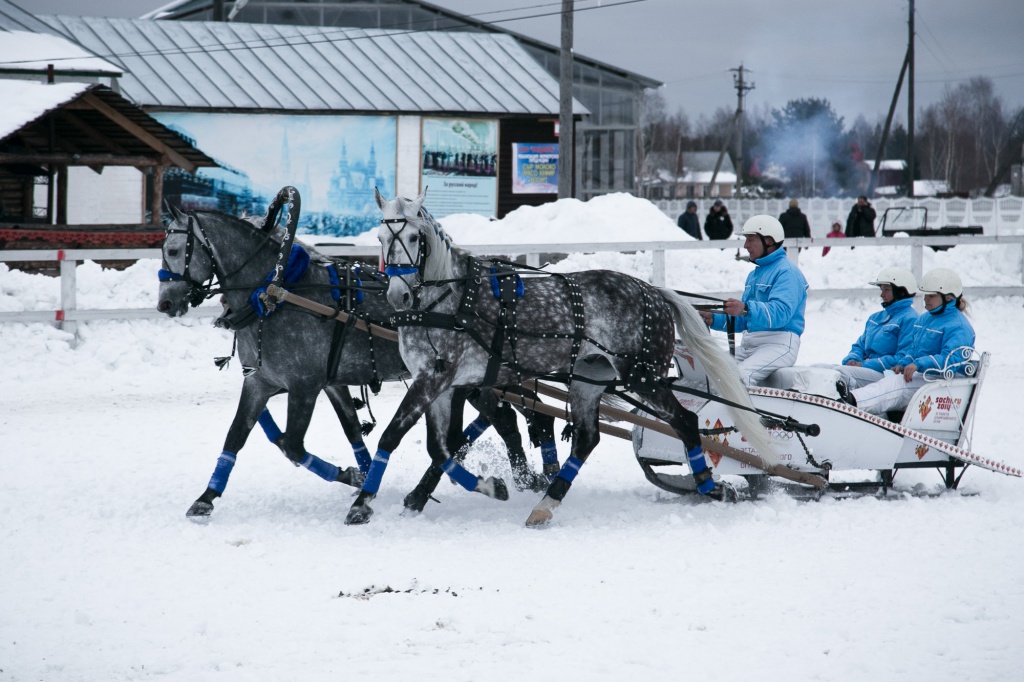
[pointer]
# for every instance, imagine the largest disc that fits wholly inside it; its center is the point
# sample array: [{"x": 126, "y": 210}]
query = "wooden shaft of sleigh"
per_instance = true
[
  {"x": 279, "y": 294},
  {"x": 706, "y": 442}
]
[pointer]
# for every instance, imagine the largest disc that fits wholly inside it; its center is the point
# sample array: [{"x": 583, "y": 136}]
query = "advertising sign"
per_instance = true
[
  {"x": 334, "y": 162},
  {"x": 460, "y": 166},
  {"x": 535, "y": 168}
]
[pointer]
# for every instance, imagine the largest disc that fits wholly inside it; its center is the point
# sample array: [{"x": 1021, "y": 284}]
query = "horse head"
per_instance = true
[
  {"x": 187, "y": 264},
  {"x": 415, "y": 249},
  {"x": 244, "y": 248}
]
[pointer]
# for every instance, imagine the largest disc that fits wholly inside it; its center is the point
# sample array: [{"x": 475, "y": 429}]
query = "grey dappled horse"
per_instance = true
[
  {"x": 589, "y": 328},
  {"x": 288, "y": 350}
]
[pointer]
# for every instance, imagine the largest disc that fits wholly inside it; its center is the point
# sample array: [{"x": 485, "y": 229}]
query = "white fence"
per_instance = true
[
  {"x": 68, "y": 316},
  {"x": 1003, "y": 216}
]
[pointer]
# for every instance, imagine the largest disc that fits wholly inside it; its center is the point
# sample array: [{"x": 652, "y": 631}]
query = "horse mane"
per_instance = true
[
  {"x": 440, "y": 261},
  {"x": 255, "y": 224}
]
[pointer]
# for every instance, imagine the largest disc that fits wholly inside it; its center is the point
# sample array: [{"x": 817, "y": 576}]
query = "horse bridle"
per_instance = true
[{"x": 199, "y": 291}]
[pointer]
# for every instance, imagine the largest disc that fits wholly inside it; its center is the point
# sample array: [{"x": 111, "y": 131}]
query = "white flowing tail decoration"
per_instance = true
[{"x": 721, "y": 369}]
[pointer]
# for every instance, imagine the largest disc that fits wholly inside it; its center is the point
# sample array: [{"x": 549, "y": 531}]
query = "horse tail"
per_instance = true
[{"x": 721, "y": 369}]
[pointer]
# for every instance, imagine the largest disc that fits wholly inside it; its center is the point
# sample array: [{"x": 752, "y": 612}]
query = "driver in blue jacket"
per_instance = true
[
  {"x": 943, "y": 340},
  {"x": 771, "y": 311}
]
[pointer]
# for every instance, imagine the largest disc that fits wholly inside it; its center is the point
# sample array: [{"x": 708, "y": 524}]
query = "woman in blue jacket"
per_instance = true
[
  {"x": 887, "y": 336},
  {"x": 771, "y": 312},
  {"x": 942, "y": 334}
]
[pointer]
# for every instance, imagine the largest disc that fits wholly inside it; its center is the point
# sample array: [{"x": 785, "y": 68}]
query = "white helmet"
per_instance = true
[
  {"x": 897, "y": 277},
  {"x": 766, "y": 226},
  {"x": 942, "y": 281}
]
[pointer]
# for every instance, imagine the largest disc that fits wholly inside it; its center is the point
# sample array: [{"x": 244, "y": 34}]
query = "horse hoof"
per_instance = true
[
  {"x": 350, "y": 476},
  {"x": 542, "y": 513},
  {"x": 723, "y": 492},
  {"x": 492, "y": 487},
  {"x": 416, "y": 501},
  {"x": 199, "y": 511},
  {"x": 358, "y": 515}
]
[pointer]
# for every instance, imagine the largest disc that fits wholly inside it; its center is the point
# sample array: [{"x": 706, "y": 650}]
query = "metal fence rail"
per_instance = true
[{"x": 68, "y": 315}]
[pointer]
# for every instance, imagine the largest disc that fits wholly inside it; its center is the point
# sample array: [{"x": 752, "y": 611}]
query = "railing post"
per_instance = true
[
  {"x": 793, "y": 254},
  {"x": 658, "y": 268},
  {"x": 68, "y": 293},
  {"x": 917, "y": 269}
]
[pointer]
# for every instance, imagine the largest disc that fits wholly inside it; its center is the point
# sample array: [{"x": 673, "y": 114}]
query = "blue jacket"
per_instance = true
[
  {"x": 775, "y": 294},
  {"x": 936, "y": 337},
  {"x": 888, "y": 335}
]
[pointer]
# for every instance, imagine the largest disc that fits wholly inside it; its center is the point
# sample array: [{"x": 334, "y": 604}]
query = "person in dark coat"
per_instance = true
[
  {"x": 861, "y": 221},
  {"x": 689, "y": 222},
  {"x": 718, "y": 224},
  {"x": 794, "y": 222}
]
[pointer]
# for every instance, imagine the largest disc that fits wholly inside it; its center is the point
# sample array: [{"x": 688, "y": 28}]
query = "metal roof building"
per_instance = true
[
  {"x": 605, "y": 140},
  {"x": 262, "y": 67}
]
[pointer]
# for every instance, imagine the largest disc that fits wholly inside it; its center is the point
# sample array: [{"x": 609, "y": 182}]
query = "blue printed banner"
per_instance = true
[
  {"x": 535, "y": 168},
  {"x": 334, "y": 162}
]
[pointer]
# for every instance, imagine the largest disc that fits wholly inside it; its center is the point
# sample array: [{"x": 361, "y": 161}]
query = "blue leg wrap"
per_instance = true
[
  {"x": 225, "y": 463},
  {"x": 697, "y": 465},
  {"x": 269, "y": 425},
  {"x": 475, "y": 429},
  {"x": 459, "y": 474},
  {"x": 324, "y": 470},
  {"x": 549, "y": 452},
  {"x": 570, "y": 469},
  {"x": 376, "y": 472},
  {"x": 362, "y": 457}
]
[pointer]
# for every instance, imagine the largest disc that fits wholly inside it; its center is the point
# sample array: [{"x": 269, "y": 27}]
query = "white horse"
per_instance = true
[{"x": 593, "y": 330}]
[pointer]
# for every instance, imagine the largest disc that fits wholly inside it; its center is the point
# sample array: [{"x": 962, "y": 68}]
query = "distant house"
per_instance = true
[
  {"x": 688, "y": 176},
  {"x": 891, "y": 172}
]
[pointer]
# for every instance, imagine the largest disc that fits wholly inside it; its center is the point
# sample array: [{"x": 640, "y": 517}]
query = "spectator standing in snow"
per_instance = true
[
  {"x": 771, "y": 311},
  {"x": 861, "y": 221},
  {"x": 836, "y": 233},
  {"x": 688, "y": 221},
  {"x": 718, "y": 224},
  {"x": 794, "y": 222}
]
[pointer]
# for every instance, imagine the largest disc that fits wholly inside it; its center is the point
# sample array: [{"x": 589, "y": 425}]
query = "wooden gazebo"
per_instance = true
[{"x": 51, "y": 127}]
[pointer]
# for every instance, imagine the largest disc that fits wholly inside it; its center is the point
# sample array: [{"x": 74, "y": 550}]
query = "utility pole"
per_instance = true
[
  {"x": 742, "y": 89},
  {"x": 566, "y": 133},
  {"x": 910, "y": 104},
  {"x": 735, "y": 128}
]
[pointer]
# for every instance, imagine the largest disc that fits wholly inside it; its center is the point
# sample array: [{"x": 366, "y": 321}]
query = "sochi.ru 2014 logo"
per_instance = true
[{"x": 925, "y": 408}]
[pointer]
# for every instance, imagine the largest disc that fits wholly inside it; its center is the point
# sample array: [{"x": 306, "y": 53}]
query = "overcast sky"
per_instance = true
[{"x": 847, "y": 52}]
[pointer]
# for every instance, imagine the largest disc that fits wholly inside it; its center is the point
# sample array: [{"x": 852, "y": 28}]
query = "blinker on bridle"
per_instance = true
[{"x": 413, "y": 266}]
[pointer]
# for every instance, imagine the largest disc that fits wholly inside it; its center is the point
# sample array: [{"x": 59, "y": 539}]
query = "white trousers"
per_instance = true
[
  {"x": 761, "y": 353},
  {"x": 855, "y": 377},
  {"x": 889, "y": 393}
]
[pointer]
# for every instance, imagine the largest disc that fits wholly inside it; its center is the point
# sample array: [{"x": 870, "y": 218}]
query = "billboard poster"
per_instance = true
[
  {"x": 460, "y": 166},
  {"x": 334, "y": 162},
  {"x": 535, "y": 168}
]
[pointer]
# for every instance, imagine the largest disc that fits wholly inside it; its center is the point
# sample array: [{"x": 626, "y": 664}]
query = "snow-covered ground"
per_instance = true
[{"x": 105, "y": 445}]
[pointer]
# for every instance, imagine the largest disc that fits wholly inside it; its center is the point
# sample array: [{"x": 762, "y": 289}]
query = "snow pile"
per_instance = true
[{"x": 609, "y": 218}]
